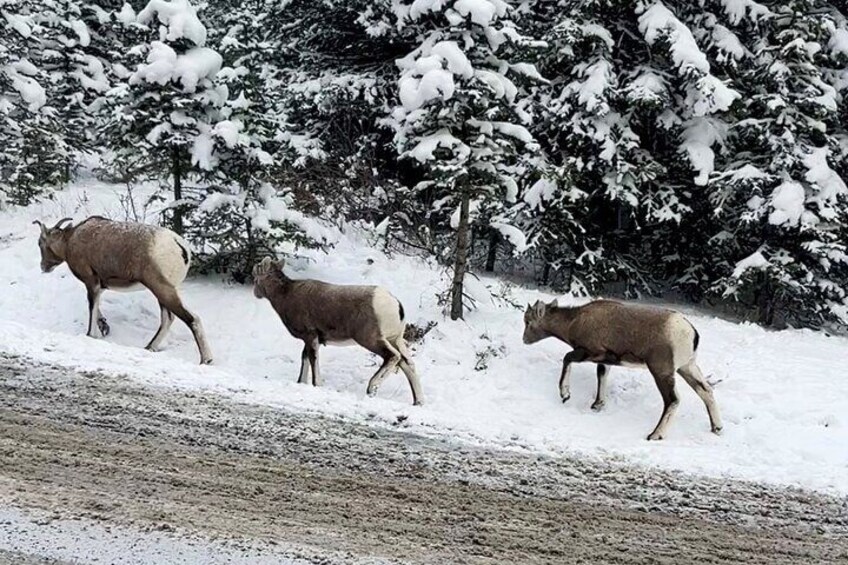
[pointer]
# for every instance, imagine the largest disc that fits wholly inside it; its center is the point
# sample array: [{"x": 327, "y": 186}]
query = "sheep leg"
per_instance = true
[
  {"x": 601, "y": 395},
  {"x": 313, "y": 363},
  {"x": 167, "y": 318},
  {"x": 304, "y": 364},
  {"x": 691, "y": 373},
  {"x": 170, "y": 299},
  {"x": 409, "y": 370},
  {"x": 391, "y": 358},
  {"x": 574, "y": 356},
  {"x": 103, "y": 325},
  {"x": 97, "y": 326},
  {"x": 665, "y": 383}
]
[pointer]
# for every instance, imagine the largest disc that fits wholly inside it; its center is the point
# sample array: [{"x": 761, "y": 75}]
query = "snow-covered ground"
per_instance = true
[
  {"x": 87, "y": 541},
  {"x": 783, "y": 395}
]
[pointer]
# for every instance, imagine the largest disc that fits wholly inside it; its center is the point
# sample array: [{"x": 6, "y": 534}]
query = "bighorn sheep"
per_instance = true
[
  {"x": 611, "y": 333},
  {"x": 124, "y": 256},
  {"x": 320, "y": 313}
]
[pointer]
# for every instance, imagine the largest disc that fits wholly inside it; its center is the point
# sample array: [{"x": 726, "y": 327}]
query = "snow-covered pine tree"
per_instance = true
[
  {"x": 240, "y": 215},
  {"x": 576, "y": 216},
  {"x": 165, "y": 110},
  {"x": 75, "y": 57},
  {"x": 331, "y": 81},
  {"x": 782, "y": 206},
  {"x": 460, "y": 117},
  {"x": 29, "y": 126},
  {"x": 629, "y": 122}
]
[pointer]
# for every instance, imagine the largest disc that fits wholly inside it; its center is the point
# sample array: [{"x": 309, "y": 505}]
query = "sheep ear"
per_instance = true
[
  {"x": 553, "y": 303},
  {"x": 539, "y": 308},
  {"x": 279, "y": 264}
]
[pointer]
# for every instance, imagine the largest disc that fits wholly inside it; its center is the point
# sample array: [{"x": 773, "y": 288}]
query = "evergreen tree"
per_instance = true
[
  {"x": 164, "y": 114},
  {"x": 241, "y": 216},
  {"x": 460, "y": 118},
  {"x": 31, "y": 158},
  {"x": 781, "y": 203}
]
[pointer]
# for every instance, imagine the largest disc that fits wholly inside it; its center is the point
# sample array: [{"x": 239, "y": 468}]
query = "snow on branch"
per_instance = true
[
  {"x": 736, "y": 10},
  {"x": 426, "y": 147},
  {"x": 481, "y": 12},
  {"x": 512, "y": 234},
  {"x": 756, "y": 261},
  {"x": 180, "y": 18},
  {"x": 658, "y": 22},
  {"x": 830, "y": 185},
  {"x": 699, "y": 135},
  {"x": 164, "y": 65}
]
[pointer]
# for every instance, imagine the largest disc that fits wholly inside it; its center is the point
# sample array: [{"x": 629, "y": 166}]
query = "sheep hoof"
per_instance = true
[
  {"x": 565, "y": 398},
  {"x": 655, "y": 436},
  {"x": 418, "y": 403},
  {"x": 717, "y": 430},
  {"x": 103, "y": 326},
  {"x": 371, "y": 392},
  {"x": 206, "y": 361},
  {"x": 598, "y": 405}
]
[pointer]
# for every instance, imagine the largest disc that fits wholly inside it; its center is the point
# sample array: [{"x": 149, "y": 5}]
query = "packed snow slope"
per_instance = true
[{"x": 783, "y": 395}]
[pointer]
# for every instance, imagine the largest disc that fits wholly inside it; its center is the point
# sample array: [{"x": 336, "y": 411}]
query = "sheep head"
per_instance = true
[
  {"x": 534, "y": 321},
  {"x": 261, "y": 271},
  {"x": 52, "y": 242}
]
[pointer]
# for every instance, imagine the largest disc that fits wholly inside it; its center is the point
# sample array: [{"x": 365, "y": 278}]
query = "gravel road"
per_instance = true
[{"x": 102, "y": 448}]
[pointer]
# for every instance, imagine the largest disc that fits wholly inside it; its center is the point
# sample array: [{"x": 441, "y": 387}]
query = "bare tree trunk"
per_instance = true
[
  {"x": 460, "y": 265},
  {"x": 251, "y": 251},
  {"x": 765, "y": 302},
  {"x": 176, "y": 170},
  {"x": 492, "y": 255}
]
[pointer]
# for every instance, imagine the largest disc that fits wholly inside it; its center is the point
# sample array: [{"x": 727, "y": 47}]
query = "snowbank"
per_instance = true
[{"x": 784, "y": 395}]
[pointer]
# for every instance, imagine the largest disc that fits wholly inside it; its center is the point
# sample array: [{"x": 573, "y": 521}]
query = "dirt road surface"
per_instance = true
[{"x": 97, "y": 447}]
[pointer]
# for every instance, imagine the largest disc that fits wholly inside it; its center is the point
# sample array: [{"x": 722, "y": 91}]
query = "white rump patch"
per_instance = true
[
  {"x": 681, "y": 335},
  {"x": 166, "y": 252},
  {"x": 387, "y": 310}
]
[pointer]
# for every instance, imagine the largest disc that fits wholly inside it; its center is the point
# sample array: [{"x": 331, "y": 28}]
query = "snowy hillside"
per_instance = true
[{"x": 784, "y": 395}]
